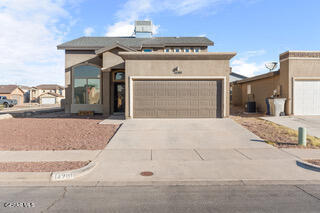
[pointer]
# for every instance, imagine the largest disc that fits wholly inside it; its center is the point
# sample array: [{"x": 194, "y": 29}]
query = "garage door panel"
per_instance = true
[
  {"x": 307, "y": 97},
  {"x": 176, "y": 98}
]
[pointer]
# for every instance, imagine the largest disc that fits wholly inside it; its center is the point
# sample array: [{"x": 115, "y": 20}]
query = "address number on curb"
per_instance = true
[{"x": 63, "y": 176}]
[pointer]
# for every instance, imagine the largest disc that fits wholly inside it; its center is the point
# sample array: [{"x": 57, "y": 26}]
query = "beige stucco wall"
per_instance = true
[
  {"x": 73, "y": 58},
  {"x": 195, "y": 68},
  {"x": 298, "y": 68}
]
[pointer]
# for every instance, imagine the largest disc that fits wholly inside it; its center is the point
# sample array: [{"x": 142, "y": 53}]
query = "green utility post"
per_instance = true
[{"x": 302, "y": 136}]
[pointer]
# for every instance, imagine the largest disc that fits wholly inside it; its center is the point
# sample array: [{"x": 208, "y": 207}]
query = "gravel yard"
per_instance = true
[
  {"x": 275, "y": 134},
  {"x": 41, "y": 166},
  {"x": 54, "y": 134}
]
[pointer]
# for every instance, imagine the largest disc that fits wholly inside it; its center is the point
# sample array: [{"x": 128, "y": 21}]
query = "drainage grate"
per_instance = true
[{"x": 146, "y": 173}]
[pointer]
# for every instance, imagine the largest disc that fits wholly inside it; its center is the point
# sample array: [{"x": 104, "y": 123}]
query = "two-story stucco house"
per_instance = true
[
  {"x": 146, "y": 77},
  {"x": 47, "y": 94}
]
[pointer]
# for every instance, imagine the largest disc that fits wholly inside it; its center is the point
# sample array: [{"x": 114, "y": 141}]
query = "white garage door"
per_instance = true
[
  {"x": 48, "y": 101},
  {"x": 307, "y": 97}
]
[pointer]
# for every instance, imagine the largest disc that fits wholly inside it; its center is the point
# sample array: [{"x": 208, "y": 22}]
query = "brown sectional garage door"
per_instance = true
[{"x": 177, "y": 98}]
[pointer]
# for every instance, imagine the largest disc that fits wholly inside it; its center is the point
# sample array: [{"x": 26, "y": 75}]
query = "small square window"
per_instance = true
[
  {"x": 147, "y": 50},
  {"x": 187, "y": 50},
  {"x": 167, "y": 50},
  {"x": 177, "y": 50},
  {"x": 197, "y": 50}
]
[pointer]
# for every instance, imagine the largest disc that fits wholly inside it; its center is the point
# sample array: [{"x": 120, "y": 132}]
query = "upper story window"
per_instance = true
[
  {"x": 167, "y": 50},
  {"x": 196, "y": 50},
  {"x": 86, "y": 85},
  {"x": 147, "y": 50},
  {"x": 187, "y": 50},
  {"x": 176, "y": 50}
]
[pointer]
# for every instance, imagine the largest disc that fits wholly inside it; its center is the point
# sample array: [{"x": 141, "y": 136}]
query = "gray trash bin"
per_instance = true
[{"x": 277, "y": 106}]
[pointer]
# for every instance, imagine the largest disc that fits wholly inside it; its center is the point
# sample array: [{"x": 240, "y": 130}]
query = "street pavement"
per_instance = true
[{"x": 162, "y": 199}]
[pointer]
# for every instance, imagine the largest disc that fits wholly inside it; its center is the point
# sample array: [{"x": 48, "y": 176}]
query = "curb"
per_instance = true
[
  {"x": 309, "y": 166},
  {"x": 72, "y": 174},
  {"x": 5, "y": 116}
]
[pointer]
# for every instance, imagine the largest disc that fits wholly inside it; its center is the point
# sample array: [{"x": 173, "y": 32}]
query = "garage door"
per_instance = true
[
  {"x": 177, "y": 98},
  {"x": 48, "y": 100},
  {"x": 307, "y": 98}
]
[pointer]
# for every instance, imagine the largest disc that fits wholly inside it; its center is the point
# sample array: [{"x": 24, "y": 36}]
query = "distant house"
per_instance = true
[
  {"x": 47, "y": 94},
  {"x": 26, "y": 91},
  {"x": 236, "y": 77},
  {"x": 12, "y": 92}
]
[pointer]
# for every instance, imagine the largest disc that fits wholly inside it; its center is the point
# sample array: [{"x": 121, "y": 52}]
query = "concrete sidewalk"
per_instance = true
[
  {"x": 312, "y": 123},
  {"x": 38, "y": 156}
]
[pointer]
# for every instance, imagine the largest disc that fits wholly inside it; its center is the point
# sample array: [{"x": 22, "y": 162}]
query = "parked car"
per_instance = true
[{"x": 7, "y": 102}]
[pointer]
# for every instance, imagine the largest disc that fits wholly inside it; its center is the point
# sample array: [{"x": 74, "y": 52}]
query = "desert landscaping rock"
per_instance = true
[
  {"x": 41, "y": 166},
  {"x": 54, "y": 134}
]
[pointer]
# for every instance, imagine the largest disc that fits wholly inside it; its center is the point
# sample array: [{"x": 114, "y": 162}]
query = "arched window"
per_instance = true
[{"x": 86, "y": 85}]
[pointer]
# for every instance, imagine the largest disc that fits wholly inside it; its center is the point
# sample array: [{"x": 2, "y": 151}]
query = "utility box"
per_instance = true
[{"x": 277, "y": 106}]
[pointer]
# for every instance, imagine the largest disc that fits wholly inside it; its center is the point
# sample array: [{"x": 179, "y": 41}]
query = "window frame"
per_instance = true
[
  {"x": 114, "y": 76},
  {"x": 187, "y": 48},
  {"x": 87, "y": 78},
  {"x": 195, "y": 50},
  {"x": 175, "y": 50},
  {"x": 165, "y": 50}
]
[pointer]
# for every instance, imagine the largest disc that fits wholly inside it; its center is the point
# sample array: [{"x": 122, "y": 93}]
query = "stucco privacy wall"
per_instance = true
[
  {"x": 162, "y": 64},
  {"x": 73, "y": 58}
]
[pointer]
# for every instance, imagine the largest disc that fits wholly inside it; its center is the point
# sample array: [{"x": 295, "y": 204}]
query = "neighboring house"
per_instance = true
[
  {"x": 298, "y": 80},
  {"x": 50, "y": 98},
  {"x": 26, "y": 95},
  {"x": 236, "y": 77},
  {"x": 146, "y": 77},
  {"x": 12, "y": 92},
  {"x": 51, "y": 93}
]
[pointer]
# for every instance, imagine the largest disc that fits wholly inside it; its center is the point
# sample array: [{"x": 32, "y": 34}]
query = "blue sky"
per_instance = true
[{"x": 258, "y": 30}]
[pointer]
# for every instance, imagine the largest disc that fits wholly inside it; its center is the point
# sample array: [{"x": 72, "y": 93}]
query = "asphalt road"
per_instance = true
[{"x": 173, "y": 199}]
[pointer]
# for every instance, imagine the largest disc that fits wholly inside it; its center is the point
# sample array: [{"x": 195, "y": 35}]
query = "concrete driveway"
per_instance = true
[
  {"x": 312, "y": 123},
  {"x": 200, "y": 150},
  {"x": 184, "y": 134}
]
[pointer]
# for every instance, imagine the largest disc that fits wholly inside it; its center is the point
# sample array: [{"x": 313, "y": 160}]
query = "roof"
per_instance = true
[
  {"x": 7, "y": 89},
  {"x": 52, "y": 94},
  {"x": 49, "y": 86},
  {"x": 238, "y": 75},
  {"x": 133, "y": 42},
  {"x": 258, "y": 77},
  {"x": 105, "y": 49},
  {"x": 179, "y": 55}
]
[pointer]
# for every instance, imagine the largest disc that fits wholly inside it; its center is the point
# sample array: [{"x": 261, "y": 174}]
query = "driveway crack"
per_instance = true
[
  {"x": 198, "y": 154},
  {"x": 242, "y": 154},
  {"x": 59, "y": 198}
]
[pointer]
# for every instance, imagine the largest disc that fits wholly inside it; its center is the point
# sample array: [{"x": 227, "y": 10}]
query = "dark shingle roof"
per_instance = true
[
  {"x": 7, "y": 89},
  {"x": 132, "y": 42}
]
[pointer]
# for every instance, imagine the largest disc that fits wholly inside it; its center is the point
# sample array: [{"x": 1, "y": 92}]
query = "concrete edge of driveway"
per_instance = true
[
  {"x": 309, "y": 166},
  {"x": 72, "y": 174},
  {"x": 5, "y": 116},
  {"x": 199, "y": 182}
]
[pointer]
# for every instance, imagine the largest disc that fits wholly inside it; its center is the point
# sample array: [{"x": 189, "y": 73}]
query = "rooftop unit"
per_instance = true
[{"x": 143, "y": 29}]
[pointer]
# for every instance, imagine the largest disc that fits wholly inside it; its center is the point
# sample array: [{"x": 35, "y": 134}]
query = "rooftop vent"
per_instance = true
[{"x": 143, "y": 29}]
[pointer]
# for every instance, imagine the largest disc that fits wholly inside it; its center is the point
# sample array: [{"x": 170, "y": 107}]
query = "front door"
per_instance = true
[{"x": 119, "y": 97}]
